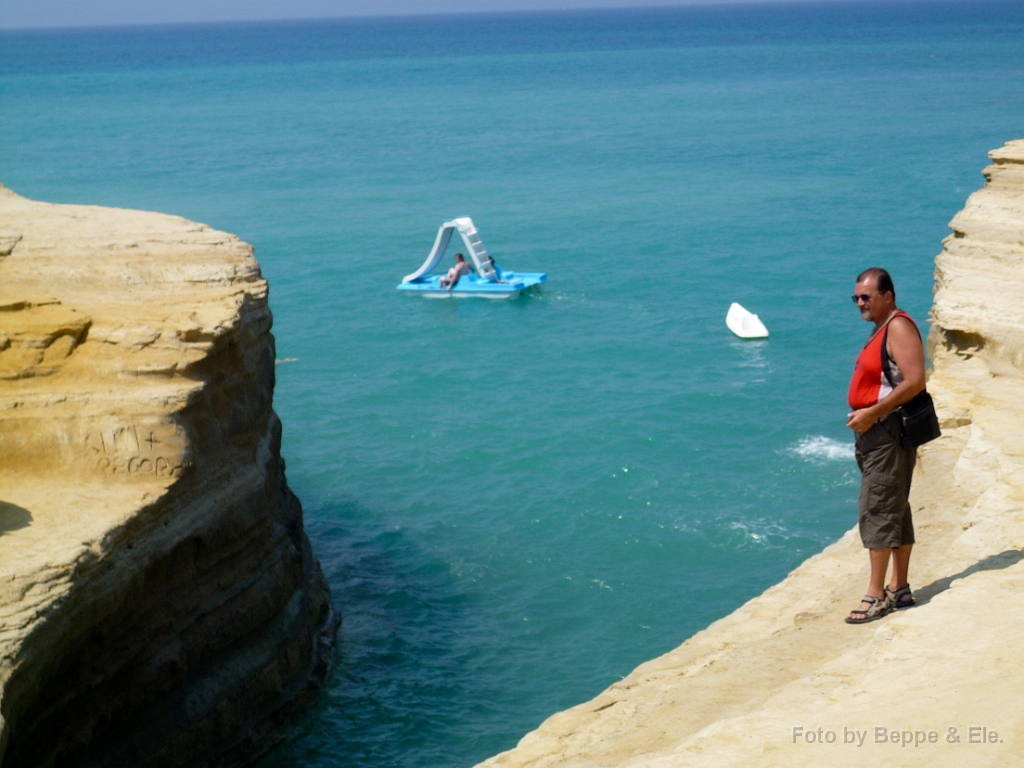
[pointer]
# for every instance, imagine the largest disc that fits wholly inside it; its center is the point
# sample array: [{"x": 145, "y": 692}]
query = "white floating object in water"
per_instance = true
[{"x": 745, "y": 324}]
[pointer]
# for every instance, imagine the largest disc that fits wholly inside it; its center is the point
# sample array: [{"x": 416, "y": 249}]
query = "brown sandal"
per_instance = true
[
  {"x": 901, "y": 598},
  {"x": 880, "y": 606}
]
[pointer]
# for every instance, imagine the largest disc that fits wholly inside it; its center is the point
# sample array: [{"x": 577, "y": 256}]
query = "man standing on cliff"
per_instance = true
[{"x": 889, "y": 372}]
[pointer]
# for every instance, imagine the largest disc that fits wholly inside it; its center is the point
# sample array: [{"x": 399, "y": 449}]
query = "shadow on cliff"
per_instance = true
[
  {"x": 13, "y": 517},
  {"x": 990, "y": 563}
]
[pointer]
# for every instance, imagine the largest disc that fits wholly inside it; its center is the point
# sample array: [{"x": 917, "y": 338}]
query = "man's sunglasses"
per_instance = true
[{"x": 863, "y": 297}]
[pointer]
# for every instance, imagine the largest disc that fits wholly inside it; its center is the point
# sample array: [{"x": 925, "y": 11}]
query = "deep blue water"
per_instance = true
[{"x": 518, "y": 502}]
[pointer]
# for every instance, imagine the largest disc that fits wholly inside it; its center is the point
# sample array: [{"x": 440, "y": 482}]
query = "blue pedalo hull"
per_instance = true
[{"x": 509, "y": 286}]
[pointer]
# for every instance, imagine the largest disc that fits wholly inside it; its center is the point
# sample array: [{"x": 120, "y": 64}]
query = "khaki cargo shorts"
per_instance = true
[{"x": 887, "y": 469}]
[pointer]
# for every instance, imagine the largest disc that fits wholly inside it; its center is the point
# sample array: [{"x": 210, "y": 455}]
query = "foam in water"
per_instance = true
[
  {"x": 759, "y": 533},
  {"x": 823, "y": 449}
]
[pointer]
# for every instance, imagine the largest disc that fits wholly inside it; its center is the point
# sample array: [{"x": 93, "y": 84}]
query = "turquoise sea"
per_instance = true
[{"x": 516, "y": 503}]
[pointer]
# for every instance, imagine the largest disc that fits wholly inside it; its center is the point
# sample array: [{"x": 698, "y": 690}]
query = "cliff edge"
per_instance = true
[
  {"x": 159, "y": 602},
  {"x": 783, "y": 681}
]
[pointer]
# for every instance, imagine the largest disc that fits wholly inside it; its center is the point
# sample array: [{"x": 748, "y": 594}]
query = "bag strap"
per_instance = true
[{"x": 886, "y": 361}]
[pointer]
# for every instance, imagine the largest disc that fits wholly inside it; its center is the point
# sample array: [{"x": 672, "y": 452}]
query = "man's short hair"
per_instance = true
[
  {"x": 884, "y": 281},
  {"x": 460, "y": 257}
]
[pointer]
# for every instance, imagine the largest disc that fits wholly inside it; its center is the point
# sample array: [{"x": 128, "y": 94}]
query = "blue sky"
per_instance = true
[{"x": 71, "y": 13}]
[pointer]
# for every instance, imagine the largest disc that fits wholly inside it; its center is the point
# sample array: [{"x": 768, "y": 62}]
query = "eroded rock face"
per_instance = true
[
  {"x": 736, "y": 693},
  {"x": 159, "y": 602}
]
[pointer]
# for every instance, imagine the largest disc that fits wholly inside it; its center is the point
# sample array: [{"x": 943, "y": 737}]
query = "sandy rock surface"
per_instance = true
[
  {"x": 159, "y": 604},
  {"x": 755, "y": 688}
]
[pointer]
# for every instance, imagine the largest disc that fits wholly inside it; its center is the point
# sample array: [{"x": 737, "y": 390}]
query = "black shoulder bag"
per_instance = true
[{"x": 920, "y": 424}]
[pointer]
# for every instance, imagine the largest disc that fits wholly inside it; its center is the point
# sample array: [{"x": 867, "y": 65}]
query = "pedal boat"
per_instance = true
[{"x": 490, "y": 280}]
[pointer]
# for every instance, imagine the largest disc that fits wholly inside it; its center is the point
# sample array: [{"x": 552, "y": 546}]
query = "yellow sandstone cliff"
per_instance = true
[
  {"x": 783, "y": 681},
  {"x": 159, "y": 603}
]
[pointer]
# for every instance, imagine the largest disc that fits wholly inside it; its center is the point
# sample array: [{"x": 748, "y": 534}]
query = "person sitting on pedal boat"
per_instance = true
[{"x": 461, "y": 268}]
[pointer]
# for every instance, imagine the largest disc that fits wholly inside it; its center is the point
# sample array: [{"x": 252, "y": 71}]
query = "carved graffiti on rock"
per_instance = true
[{"x": 135, "y": 451}]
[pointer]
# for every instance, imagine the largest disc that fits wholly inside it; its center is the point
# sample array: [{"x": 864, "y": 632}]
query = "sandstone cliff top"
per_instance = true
[{"x": 151, "y": 293}]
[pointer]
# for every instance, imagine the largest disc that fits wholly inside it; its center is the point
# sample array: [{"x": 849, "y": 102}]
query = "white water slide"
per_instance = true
[{"x": 474, "y": 245}]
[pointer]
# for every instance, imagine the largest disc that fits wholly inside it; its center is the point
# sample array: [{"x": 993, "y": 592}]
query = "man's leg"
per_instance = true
[
  {"x": 876, "y": 585},
  {"x": 901, "y": 554},
  {"x": 900, "y": 567},
  {"x": 900, "y": 578},
  {"x": 879, "y": 565}
]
